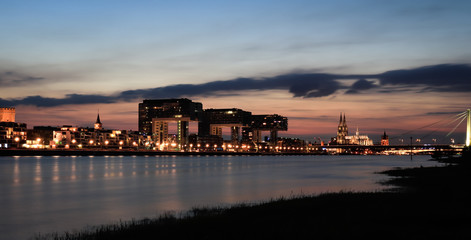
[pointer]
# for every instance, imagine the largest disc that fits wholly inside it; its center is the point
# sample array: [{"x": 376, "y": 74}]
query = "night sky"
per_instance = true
[{"x": 389, "y": 65}]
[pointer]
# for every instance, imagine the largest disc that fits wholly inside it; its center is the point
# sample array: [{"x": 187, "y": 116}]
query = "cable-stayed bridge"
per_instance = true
[{"x": 408, "y": 144}]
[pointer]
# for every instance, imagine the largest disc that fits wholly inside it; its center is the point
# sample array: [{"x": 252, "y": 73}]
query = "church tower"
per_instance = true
[
  {"x": 384, "y": 139},
  {"x": 98, "y": 125},
  {"x": 342, "y": 130}
]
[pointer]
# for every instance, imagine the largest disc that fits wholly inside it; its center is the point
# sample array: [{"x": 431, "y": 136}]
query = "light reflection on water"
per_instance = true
[{"x": 44, "y": 194}]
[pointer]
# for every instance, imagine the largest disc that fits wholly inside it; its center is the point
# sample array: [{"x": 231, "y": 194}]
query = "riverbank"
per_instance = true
[
  {"x": 103, "y": 152},
  {"x": 133, "y": 152},
  {"x": 430, "y": 203}
]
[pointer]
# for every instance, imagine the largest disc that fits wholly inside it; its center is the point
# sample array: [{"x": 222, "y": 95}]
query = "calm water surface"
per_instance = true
[{"x": 46, "y": 194}]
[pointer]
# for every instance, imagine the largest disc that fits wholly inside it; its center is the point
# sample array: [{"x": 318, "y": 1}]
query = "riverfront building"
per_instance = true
[
  {"x": 214, "y": 120},
  {"x": 69, "y": 137},
  {"x": 12, "y": 134},
  {"x": 259, "y": 123},
  {"x": 154, "y": 116},
  {"x": 344, "y": 139},
  {"x": 167, "y": 110},
  {"x": 358, "y": 139}
]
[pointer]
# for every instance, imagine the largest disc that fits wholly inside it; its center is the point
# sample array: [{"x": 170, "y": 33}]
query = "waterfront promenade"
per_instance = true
[
  {"x": 318, "y": 150},
  {"x": 90, "y": 152}
]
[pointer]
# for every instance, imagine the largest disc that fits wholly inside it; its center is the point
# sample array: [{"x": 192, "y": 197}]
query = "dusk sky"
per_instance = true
[{"x": 389, "y": 65}]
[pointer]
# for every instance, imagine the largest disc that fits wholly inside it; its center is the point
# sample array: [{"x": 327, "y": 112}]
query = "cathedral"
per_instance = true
[
  {"x": 342, "y": 130},
  {"x": 344, "y": 139}
]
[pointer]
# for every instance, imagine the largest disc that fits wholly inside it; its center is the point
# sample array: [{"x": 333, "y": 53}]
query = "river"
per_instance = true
[{"x": 47, "y": 194}]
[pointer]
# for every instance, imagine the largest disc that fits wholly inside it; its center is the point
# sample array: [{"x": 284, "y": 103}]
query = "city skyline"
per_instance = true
[
  {"x": 193, "y": 127},
  {"x": 389, "y": 66}
]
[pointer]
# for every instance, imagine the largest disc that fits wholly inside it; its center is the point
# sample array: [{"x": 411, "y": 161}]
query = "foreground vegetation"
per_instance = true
[{"x": 430, "y": 203}]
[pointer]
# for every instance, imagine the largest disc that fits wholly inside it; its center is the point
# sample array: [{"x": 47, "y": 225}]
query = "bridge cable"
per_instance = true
[
  {"x": 462, "y": 119},
  {"x": 460, "y": 116}
]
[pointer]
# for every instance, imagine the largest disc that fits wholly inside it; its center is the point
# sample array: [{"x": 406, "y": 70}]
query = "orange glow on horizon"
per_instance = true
[{"x": 312, "y": 117}]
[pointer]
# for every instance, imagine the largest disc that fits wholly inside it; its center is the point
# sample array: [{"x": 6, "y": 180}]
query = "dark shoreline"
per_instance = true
[{"x": 429, "y": 203}]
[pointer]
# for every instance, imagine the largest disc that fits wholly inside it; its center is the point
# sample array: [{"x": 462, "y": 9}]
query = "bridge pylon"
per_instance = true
[{"x": 468, "y": 128}]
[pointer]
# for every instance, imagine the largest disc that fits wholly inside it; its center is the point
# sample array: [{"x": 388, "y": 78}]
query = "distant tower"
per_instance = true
[
  {"x": 98, "y": 125},
  {"x": 342, "y": 130},
  {"x": 7, "y": 114},
  {"x": 384, "y": 139}
]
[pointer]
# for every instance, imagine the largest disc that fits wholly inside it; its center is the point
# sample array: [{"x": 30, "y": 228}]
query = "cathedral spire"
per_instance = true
[{"x": 342, "y": 130}]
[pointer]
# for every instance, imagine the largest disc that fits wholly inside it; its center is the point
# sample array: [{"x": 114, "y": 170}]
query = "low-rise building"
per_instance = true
[{"x": 12, "y": 134}]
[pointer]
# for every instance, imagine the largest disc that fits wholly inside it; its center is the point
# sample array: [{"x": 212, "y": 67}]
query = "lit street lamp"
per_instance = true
[{"x": 17, "y": 140}]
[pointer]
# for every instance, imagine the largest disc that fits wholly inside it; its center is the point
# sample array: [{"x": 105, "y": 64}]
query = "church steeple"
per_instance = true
[
  {"x": 98, "y": 125},
  {"x": 98, "y": 119},
  {"x": 384, "y": 139},
  {"x": 342, "y": 130}
]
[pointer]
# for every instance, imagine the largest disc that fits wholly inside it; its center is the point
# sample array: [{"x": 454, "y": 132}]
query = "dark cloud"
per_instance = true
[
  {"x": 300, "y": 85},
  {"x": 437, "y": 78},
  {"x": 311, "y": 85},
  {"x": 40, "y": 101},
  {"x": 6, "y": 103},
  {"x": 360, "y": 85},
  {"x": 11, "y": 78}
]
